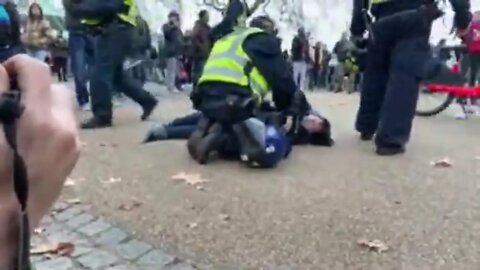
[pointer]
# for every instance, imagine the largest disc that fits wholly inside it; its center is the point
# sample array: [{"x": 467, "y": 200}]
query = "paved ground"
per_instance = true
[
  {"x": 98, "y": 244},
  {"x": 308, "y": 213}
]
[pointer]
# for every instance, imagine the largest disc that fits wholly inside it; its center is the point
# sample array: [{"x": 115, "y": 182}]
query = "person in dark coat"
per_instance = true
[
  {"x": 201, "y": 44},
  {"x": 317, "y": 65},
  {"x": 174, "y": 46},
  {"x": 300, "y": 57},
  {"x": 59, "y": 53}
]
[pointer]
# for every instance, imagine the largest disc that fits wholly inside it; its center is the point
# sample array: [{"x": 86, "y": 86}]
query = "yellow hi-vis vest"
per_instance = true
[
  {"x": 228, "y": 61},
  {"x": 376, "y": 2},
  {"x": 129, "y": 17}
]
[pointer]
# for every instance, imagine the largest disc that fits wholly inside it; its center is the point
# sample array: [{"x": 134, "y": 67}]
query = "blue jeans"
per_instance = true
[
  {"x": 81, "y": 48},
  {"x": 183, "y": 127},
  {"x": 40, "y": 54}
]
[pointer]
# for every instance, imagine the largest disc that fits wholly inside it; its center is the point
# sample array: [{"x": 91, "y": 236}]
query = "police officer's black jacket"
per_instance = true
[
  {"x": 72, "y": 23},
  {"x": 266, "y": 55},
  {"x": 358, "y": 26},
  {"x": 95, "y": 9}
]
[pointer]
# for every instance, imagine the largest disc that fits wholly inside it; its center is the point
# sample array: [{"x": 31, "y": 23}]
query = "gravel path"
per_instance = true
[{"x": 307, "y": 214}]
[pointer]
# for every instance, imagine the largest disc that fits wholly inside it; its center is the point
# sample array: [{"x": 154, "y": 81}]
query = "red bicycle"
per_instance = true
[{"x": 442, "y": 95}]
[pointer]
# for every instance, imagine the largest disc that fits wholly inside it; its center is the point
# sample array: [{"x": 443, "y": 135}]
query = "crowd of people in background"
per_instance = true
[{"x": 177, "y": 55}]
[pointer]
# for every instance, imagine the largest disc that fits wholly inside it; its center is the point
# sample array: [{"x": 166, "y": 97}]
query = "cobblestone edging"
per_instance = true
[{"x": 99, "y": 245}]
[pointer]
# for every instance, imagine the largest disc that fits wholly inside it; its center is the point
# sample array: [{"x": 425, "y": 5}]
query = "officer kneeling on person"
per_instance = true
[
  {"x": 398, "y": 52},
  {"x": 243, "y": 67},
  {"x": 113, "y": 23}
]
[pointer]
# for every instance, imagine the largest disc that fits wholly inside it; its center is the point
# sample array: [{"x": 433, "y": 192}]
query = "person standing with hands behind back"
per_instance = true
[
  {"x": 174, "y": 44},
  {"x": 300, "y": 58},
  {"x": 37, "y": 36}
]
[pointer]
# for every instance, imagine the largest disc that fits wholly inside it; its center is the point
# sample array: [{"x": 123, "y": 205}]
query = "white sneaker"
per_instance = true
[{"x": 461, "y": 116}]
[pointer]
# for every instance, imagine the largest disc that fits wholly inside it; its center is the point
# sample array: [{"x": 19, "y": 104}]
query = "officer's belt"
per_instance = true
[{"x": 10, "y": 111}]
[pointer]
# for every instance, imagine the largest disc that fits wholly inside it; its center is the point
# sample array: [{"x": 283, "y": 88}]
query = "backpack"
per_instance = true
[
  {"x": 472, "y": 36},
  {"x": 5, "y": 26}
]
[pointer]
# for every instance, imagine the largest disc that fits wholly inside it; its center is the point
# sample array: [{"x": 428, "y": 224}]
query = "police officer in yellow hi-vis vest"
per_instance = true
[
  {"x": 113, "y": 22},
  {"x": 243, "y": 67}
]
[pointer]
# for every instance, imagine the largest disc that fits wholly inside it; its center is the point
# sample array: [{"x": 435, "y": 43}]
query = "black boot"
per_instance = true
[
  {"x": 210, "y": 143},
  {"x": 94, "y": 123},
  {"x": 200, "y": 132},
  {"x": 148, "y": 109},
  {"x": 366, "y": 136},
  {"x": 389, "y": 151}
]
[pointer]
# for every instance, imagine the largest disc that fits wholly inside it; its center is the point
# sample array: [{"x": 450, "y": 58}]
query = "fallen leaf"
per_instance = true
[
  {"x": 375, "y": 245},
  {"x": 442, "y": 163},
  {"x": 112, "y": 180},
  {"x": 224, "y": 217},
  {"x": 58, "y": 209},
  {"x": 70, "y": 182},
  {"x": 192, "y": 225},
  {"x": 113, "y": 145},
  {"x": 59, "y": 249},
  {"x": 129, "y": 206},
  {"x": 190, "y": 179},
  {"x": 39, "y": 230},
  {"x": 73, "y": 201}
]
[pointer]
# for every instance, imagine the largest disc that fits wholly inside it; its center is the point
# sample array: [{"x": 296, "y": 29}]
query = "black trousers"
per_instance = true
[
  {"x": 60, "y": 67},
  {"x": 111, "y": 49},
  {"x": 395, "y": 65}
]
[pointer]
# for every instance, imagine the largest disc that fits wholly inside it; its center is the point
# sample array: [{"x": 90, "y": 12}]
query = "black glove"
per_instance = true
[{"x": 195, "y": 97}]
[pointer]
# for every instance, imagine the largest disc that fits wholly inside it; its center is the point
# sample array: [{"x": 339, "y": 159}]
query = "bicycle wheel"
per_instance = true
[{"x": 432, "y": 103}]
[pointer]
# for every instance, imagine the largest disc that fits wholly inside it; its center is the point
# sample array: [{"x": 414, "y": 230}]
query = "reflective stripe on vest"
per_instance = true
[
  {"x": 129, "y": 17},
  {"x": 228, "y": 62},
  {"x": 376, "y": 2}
]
